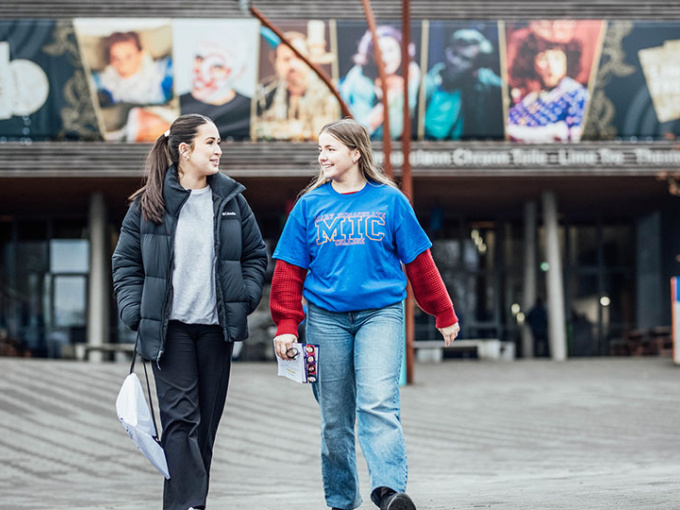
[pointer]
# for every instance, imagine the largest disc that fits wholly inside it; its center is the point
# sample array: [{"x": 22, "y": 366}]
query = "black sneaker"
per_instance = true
[{"x": 397, "y": 501}]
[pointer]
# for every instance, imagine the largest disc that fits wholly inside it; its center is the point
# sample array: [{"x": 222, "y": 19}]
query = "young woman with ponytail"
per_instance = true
[
  {"x": 188, "y": 269},
  {"x": 342, "y": 248}
]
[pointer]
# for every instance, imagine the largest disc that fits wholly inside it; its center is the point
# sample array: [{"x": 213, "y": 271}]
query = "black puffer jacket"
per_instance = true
[{"x": 143, "y": 261}]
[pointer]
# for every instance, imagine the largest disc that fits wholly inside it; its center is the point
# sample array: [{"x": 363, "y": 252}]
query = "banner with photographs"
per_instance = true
[
  {"x": 360, "y": 85},
  {"x": 43, "y": 89},
  {"x": 549, "y": 66},
  {"x": 538, "y": 81},
  {"x": 462, "y": 95},
  {"x": 215, "y": 72},
  {"x": 293, "y": 103},
  {"x": 129, "y": 63},
  {"x": 637, "y": 90}
]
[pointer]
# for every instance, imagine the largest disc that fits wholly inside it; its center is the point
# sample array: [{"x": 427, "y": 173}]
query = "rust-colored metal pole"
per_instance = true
[
  {"x": 387, "y": 137},
  {"x": 320, "y": 72},
  {"x": 406, "y": 178}
]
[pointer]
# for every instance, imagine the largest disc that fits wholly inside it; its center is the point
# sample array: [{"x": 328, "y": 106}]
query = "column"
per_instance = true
[
  {"x": 557, "y": 333},
  {"x": 529, "y": 281},
  {"x": 649, "y": 280},
  {"x": 99, "y": 283}
]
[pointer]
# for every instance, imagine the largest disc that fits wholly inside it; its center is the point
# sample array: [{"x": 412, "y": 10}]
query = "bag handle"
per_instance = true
[{"x": 148, "y": 386}]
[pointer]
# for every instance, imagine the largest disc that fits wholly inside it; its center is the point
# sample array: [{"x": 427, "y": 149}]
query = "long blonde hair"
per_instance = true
[{"x": 353, "y": 135}]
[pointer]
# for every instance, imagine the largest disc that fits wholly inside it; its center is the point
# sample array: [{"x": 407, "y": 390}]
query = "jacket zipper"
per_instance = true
[
  {"x": 169, "y": 293},
  {"x": 221, "y": 310},
  {"x": 217, "y": 243}
]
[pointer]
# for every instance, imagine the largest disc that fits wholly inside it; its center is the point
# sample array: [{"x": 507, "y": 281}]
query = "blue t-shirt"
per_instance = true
[{"x": 352, "y": 246}]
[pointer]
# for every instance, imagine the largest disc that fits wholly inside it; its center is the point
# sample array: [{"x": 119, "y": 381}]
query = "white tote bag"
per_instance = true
[{"x": 138, "y": 420}]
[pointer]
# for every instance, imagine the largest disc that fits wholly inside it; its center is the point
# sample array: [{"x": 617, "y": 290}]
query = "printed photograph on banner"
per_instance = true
[
  {"x": 43, "y": 89},
  {"x": 637, "y": 93},
  {"x": 129, "y": 64},
  {"x": 661, "y": 67},
  {"x": 216, "y": 71},
  {"x": 463, "y": 89},
  {"x": 549, "y": 66},
  {"x": 360, "y": 85},
  {"x": 292, "y": 102}
]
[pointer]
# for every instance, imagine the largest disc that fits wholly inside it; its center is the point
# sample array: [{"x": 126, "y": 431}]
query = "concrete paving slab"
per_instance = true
[{"x": 585, "y": 434}]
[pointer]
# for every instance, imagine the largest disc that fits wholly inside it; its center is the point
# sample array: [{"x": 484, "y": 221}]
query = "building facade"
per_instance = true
[{"x": 531, "y": 189}]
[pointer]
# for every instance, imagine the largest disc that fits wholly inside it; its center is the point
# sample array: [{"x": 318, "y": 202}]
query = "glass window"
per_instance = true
[
  {"x": 462, "y": 299},
  {"x": 31, "y": 257},
  {"x": 582, "y": 336},
  {"x": 514, "y": 246},
  {"x": 470, "y": 255},
  {"x": 479, "y": 247},
  {"x": 446, "y": 254},
  {"x": 69, "y": 256},
  {"x": 618, "y": 299},
  {"x": 583, "y": 245},
  {"x": 487, "y": 249},
  {"x": 583, "y": 289},
  {"x": 70, "y": 299},
  {"x": 30, "y": 310},
  {"x": 479, "y": 297},
  {"x": 584, "y": 314},
  {"x": 487, "y": 290},
  {"x": 618, "y": 246}
]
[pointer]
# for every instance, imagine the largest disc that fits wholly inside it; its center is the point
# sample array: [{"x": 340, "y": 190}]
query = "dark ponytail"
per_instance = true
[{"x": 165, "y": 152}]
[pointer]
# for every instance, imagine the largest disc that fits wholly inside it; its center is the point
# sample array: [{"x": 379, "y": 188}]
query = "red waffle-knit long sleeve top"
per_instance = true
[{"x": 428, "y": 289}]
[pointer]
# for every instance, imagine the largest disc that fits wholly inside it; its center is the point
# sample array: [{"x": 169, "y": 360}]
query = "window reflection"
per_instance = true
[
  {"x": 69, "y": 256},
  {"x": 70, "y": 299}
]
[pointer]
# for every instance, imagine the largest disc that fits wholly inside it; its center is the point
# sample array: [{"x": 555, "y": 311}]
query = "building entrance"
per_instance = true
[{"x": 481, "y": 263}]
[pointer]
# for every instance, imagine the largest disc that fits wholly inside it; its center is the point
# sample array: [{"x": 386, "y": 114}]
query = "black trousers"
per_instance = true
[{"x": 191, "y": 383}]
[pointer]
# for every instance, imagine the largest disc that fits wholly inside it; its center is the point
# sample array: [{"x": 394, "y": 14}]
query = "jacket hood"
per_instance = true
[{"x": 174, "y": 194}]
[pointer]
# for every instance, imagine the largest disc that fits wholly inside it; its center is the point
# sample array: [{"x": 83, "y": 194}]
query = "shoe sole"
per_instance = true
[{"x": 401, "y": 502}]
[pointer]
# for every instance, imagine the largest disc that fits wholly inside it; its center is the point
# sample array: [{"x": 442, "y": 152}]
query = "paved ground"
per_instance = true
[{"x": 585, "y": 434}]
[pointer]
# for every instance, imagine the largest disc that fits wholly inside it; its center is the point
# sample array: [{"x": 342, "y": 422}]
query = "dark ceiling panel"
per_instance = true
[{"x": 472, "y": 197}]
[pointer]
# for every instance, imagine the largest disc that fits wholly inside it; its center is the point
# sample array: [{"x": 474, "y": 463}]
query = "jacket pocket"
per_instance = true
[
  {"x": 237, "y": 321},
  {"x": 231, "y": 281}
]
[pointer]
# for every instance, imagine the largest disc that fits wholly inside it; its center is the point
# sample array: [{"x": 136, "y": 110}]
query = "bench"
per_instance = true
[
  {"x": 486, "y": 348},
  {"x": 656, "y": 341},
  {"x": 83, "y": 350}
]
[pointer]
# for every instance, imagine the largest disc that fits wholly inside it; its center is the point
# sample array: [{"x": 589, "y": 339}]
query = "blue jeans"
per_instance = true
[{"x": 360, "y": 357}]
